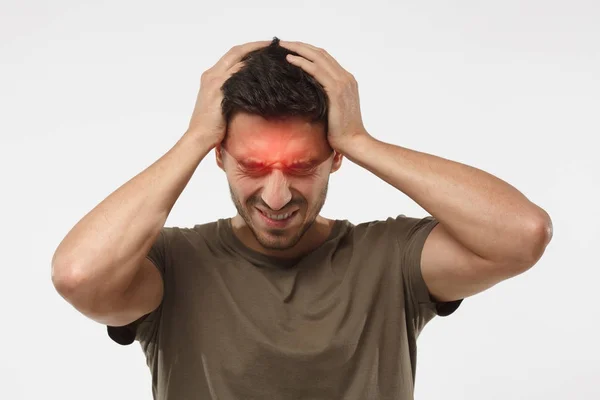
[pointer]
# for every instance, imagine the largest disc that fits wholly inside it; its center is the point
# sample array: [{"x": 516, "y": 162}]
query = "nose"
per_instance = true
[{"x": 276, "y": 192}]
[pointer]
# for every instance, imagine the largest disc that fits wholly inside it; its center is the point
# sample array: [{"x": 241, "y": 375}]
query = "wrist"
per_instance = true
[
  {"x": 354, "y": 144},
  {"x": 200, "y": 140}
]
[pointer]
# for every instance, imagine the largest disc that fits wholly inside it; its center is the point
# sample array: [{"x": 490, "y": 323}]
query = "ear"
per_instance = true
[
  {"x": 337, "y": 161},
  {"x": 219, "y": 156}
]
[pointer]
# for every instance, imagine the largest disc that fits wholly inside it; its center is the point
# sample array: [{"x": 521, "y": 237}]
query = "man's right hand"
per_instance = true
[{"x": 207, "y": 119}]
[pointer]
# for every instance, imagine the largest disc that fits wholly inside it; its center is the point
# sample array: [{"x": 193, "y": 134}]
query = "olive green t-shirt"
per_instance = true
[{"x": 340, "y": 322}]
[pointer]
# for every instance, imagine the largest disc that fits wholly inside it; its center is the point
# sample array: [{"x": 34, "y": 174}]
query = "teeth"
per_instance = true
[{"x": 278, "y": 217}]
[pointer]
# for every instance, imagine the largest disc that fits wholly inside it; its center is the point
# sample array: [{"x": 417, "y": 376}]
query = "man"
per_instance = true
[{"x": 279, "y": 302}]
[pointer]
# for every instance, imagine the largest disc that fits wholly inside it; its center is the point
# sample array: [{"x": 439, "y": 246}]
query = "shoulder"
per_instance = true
[
  {"x": 399, "y": 228},
  {"x": 191, "y": 233}
]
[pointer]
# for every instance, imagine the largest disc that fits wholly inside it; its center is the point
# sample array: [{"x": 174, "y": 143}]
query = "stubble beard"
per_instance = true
[{"x": 276, "y": 239}]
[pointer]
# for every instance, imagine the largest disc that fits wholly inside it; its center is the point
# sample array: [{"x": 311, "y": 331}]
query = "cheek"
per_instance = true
[
  {"x": 311, "y": 188},
  {"x": 244, "y": 186}
]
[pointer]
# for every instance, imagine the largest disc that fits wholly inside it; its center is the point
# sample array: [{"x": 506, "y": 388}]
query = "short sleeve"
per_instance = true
[
  {"x": 145, "y": 326},
  {"x": 412, "y": 233}
]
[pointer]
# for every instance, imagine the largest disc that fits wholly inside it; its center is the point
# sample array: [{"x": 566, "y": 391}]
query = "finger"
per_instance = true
[
  {"x": 306, "y": 50},
  {"x": 316, "y": 55},
  {"x": 236, "y": 53},
  {"x": 319, "y": 73},
  {"x": 316, "y": 51},
  {"x": 235, "y": 68}
]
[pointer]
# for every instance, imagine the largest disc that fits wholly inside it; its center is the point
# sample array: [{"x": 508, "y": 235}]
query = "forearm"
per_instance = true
[
  {"x": 105, "y": 248},
  {"x": 487, "y": 215}
]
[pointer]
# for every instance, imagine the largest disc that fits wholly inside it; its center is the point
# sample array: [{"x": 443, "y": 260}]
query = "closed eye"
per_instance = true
[
  {"x": 252, "y": 166},
  {"x": 302, "y": 170},
  {"x": 302, "y": 166}
]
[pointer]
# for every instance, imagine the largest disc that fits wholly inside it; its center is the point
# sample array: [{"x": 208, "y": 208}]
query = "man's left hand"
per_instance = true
[{"x": 344, "y": 118}]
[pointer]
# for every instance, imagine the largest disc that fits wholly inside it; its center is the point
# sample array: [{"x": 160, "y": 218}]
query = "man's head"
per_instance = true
[
  {"x": 275, "y": 154},
  {"x": 269, "y": 86}
]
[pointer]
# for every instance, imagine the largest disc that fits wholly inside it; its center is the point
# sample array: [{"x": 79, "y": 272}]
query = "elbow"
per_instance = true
[
  {"x": 77, "y": 285},
  {"x": 543, "y": 231},
  {"x": 88, "y": 292},
  {"x": 78, "y": 289},
  {"x": 539, "y": 237},
  {"x": 63, "y": 275},
  {"x": 68, "y": 280}
]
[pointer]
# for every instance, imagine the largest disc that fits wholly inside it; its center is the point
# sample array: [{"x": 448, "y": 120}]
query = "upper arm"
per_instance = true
[
  {"x": 143, "y": 295},
  {"x": 453, "y": 272}
]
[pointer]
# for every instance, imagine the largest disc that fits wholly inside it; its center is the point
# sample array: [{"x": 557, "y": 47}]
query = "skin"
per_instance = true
[
  {"x": 278, "y": 166},
  {"x": 488, "y": 231}
]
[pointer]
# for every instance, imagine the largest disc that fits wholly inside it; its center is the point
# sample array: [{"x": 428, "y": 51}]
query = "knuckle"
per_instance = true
[
  {"x": 204, "y": 77},
  {"x": 208, "y": 80}
]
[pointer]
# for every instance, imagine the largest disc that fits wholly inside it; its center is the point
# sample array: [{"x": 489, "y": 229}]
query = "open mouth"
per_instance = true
[{"x": 277, "y": 219}]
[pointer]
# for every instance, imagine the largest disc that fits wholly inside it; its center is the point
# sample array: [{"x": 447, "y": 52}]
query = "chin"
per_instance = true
[{"x": 278, "y": 238}]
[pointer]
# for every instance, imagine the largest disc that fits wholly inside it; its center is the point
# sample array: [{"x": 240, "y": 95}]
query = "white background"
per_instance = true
[{"x": 91, "y": 93}]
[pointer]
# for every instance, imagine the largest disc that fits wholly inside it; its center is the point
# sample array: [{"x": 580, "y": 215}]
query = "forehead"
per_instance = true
[{"x": 292, "y": 138}]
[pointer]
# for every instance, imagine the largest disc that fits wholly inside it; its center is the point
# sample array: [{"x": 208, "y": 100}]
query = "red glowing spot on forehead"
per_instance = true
[
  {"x": 280, "y": 153},
  {"x": 276, "y": 143}
]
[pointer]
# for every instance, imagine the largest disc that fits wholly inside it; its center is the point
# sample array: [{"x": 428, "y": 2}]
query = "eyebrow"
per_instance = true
[{"x": 305, "y": 161}]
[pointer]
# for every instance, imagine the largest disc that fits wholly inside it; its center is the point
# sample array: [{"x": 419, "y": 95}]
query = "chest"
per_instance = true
[{"x": 317, "y": 330}]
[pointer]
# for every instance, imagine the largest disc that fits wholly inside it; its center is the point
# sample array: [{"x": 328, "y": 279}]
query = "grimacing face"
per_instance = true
[{"x": 278, "y": 171}]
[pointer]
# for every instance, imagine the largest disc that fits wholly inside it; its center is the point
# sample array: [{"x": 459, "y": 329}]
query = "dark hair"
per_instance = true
[{"x": 269, "y": 86}]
